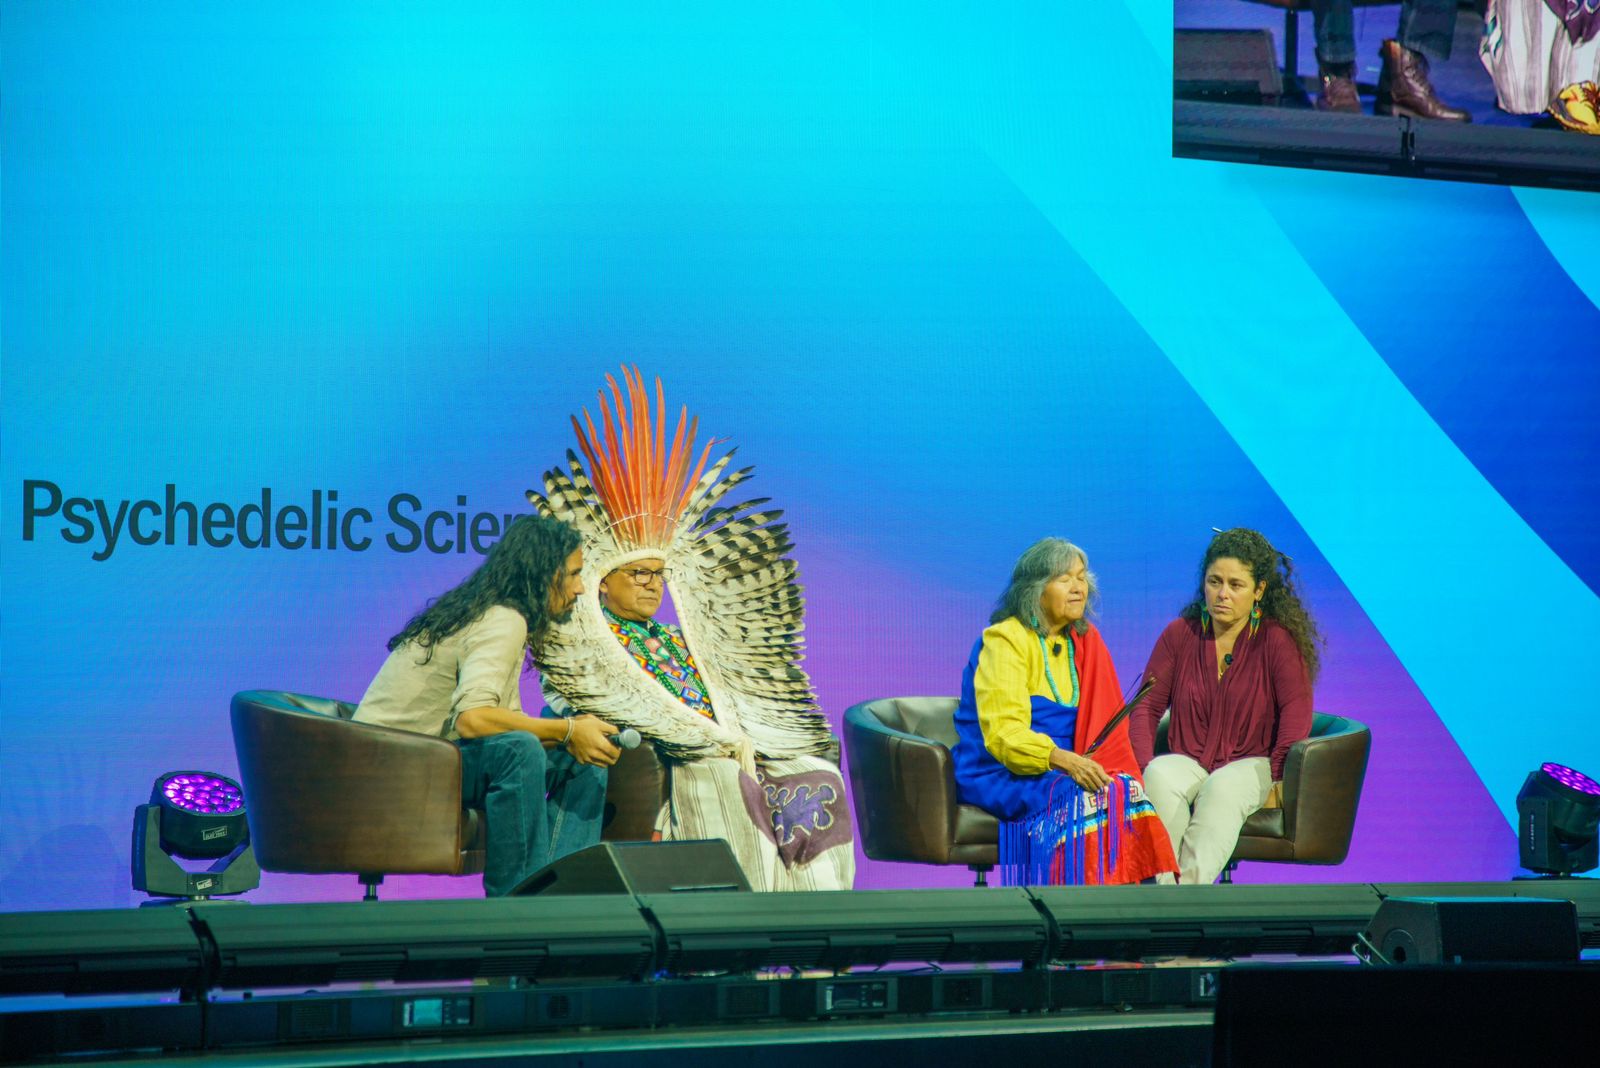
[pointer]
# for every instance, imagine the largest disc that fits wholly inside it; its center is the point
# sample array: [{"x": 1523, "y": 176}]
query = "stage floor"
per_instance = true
[{"x": 1173, "y": 1038}]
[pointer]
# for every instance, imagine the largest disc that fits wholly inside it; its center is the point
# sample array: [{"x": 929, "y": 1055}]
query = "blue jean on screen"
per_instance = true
[
  {"x": 540, "y": 804},
  {"x": 1426, "y": 26}
]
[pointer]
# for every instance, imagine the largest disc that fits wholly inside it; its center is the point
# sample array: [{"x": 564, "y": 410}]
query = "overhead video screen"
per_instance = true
[{"x": 1501, "y": 91}]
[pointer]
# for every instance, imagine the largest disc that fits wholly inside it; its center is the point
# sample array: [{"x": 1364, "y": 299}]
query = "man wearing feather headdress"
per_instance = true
[{"x": 721, "y": 694}]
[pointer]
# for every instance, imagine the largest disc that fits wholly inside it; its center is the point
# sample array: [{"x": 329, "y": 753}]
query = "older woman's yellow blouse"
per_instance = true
[{"x": 1010, "y": 673}]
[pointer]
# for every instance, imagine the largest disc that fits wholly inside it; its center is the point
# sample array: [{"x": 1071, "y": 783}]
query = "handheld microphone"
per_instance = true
[
  {"x": 1227, "y": 659},
  {"x": 1055, "y": 650}
]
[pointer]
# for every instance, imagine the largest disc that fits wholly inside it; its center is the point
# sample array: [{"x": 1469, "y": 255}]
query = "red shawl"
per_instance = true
[{"x": 1099, "y": 700}]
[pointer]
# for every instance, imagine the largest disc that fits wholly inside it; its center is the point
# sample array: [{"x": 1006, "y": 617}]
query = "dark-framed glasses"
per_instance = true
[{"x": 644, "y": 576}]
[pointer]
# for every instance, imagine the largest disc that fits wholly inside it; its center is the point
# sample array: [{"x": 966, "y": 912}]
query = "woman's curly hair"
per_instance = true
[
  {"x": 519, "y": 572},
  {"x": 1280, "y": 601}
]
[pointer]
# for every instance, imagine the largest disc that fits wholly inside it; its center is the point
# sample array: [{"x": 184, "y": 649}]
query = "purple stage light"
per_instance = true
[
  {"x": 1571, "y": 778},
  {"x": 197, "y": 815},
  {"x": 210, "y": 795},
  {"x": 1558, "y": 816}
]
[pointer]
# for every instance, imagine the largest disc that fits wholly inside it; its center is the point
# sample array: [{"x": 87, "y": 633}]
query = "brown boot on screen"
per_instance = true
[
  {"x": 1404, "y": 89},
  {"x": 1339, "y": 89}
]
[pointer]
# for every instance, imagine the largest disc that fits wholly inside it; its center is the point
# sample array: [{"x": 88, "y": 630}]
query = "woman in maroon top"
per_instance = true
[{"x": 1235, "y": 668}]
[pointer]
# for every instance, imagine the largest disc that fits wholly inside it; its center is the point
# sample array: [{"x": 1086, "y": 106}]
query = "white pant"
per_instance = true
[{"x": 1203, "y": 813}]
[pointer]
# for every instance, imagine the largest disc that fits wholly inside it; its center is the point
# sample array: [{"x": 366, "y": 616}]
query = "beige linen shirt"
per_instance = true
[{"x": 479, "y": 666}]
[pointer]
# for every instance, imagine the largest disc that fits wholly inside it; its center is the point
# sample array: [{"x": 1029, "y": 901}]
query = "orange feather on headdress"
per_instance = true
[
  {"x": 638, "y": 492},
  {"x": 638, "y": 482}
]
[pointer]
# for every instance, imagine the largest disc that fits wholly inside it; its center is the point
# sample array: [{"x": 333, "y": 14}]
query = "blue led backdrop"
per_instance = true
[{"x": 930, "y": 268}]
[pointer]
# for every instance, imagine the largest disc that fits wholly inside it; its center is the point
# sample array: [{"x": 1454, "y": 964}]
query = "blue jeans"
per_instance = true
[
  {"x": 540, "y": 804},
  {"x": 1427, "y": 26}
]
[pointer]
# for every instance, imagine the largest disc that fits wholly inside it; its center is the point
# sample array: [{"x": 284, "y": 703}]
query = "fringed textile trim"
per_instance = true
[{"x": 1051, "y": 848}]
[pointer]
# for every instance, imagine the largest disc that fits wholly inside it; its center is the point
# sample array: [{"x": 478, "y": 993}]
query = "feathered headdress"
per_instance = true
[{"x": 731, "y": 581}]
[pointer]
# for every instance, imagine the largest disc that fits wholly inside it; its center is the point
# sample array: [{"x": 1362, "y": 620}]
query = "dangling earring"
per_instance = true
[
  {"x": 1205, "y": 620},
  {"x": 1255, "y": 618}
]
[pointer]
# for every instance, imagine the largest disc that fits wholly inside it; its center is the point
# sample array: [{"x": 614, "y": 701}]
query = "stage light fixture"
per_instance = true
[
  {"x": 1558, "y": 811},
  {"x": 197, "y": 815}
]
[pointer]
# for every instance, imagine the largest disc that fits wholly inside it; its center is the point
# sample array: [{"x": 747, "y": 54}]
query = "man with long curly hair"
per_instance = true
[{"x": 454, "y": 671}]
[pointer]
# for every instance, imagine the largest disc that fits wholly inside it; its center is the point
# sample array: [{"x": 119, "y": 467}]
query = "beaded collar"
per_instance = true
[{"x": 664, "y": 655}]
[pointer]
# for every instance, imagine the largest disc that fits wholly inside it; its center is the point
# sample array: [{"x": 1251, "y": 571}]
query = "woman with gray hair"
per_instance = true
[{"x": 1038, "y": 691}]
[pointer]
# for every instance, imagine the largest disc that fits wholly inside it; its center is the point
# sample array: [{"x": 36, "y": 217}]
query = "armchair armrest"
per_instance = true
[
  {"x": 636, "y": 787},
  {"x": 1322, "y": 779}
]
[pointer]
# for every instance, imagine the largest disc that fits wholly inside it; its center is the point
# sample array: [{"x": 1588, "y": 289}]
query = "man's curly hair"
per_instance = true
[{"x": 519, "y": 572}]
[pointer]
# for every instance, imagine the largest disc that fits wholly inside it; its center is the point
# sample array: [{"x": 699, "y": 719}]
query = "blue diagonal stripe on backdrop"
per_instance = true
[
  {"x": 1473, "y": 603},
  {"x": 1569, "y": 225},
  {"x": 1479, "y": 346}
]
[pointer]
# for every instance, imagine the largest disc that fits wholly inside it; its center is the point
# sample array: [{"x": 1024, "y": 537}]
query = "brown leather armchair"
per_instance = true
[
  {"x": 1322, "y": 779},
  {"x": 902, "y": 778},
  {"x": 326, "y": 795}
]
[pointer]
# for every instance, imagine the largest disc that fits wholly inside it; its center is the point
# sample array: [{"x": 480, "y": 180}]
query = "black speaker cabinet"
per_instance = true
[
  {"x": 640, "y": 868},
  {"x": 1226, "y": 66},
  {"x": 1309, "y": 1015},
  {"x": 1445, "y": 930}
]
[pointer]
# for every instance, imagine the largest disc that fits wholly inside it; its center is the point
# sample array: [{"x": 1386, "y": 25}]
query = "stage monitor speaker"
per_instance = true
[
  {"x": 1583, "y": 893},
  {"x": 1225, "y": 66},
  {"x": 640, "y": 868},
  {"x": 1446, "y": 930}
]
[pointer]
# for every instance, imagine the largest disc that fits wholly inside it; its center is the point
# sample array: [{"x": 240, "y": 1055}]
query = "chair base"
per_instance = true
[
  {"x": 370, "y": 884},
  {"x": 980, "y": 873}
]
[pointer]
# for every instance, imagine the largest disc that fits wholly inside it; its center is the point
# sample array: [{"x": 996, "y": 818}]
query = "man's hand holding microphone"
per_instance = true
[{"x": 592, "y": 740}]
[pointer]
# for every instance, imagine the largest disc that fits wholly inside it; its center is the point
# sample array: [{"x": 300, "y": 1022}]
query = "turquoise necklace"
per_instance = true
[{"x": 1072, "y": 668}]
